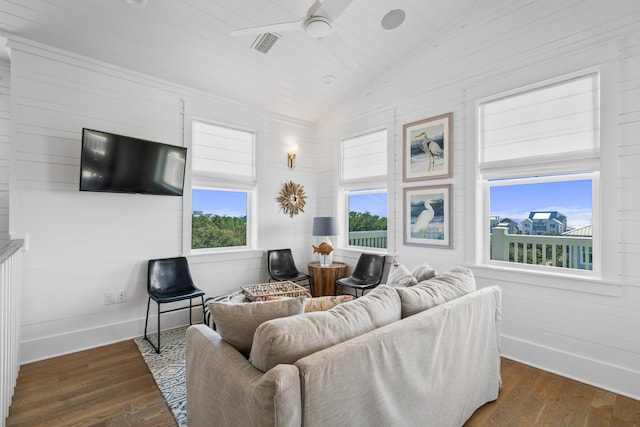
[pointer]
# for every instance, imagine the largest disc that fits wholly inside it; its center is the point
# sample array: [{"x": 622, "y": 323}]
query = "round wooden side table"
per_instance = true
[{"x": 323, "y": 279}]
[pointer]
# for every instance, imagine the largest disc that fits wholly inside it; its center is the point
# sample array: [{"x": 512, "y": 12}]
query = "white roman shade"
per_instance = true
[
  {"x": 557, "y": 120},
  {"x": 364, "y": 157},
  {"x": 222, "y": 152}
]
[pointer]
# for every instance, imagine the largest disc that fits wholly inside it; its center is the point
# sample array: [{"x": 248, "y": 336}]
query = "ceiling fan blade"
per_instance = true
[
  {"x": 336, "y": 46},
  {"x": 281, "y": 27},
  {"x": 314, "y": 8},
  {"x": 333, "y": 8}
]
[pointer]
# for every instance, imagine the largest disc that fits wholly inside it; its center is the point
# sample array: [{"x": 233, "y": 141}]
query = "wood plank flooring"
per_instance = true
[
  {"x": 111, "y": 386},
  {"x": 101, "y": 387}
]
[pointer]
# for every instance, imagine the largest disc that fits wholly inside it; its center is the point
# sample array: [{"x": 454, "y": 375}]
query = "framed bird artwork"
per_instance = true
[
  {"x": 427, "y": 148},
  {"x": 427, "y": 216}
]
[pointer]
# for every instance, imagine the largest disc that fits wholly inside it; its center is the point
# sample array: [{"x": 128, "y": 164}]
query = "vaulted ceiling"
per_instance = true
[{"x": 189, "y": 42}]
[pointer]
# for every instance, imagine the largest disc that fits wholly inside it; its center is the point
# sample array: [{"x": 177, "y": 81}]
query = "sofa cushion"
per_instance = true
[
  {"x": 237, "y": 322},
  {"x": 437, "y": 290},
  {"x": 288, "y": 339},
  {"x": 399, "y": 275}
]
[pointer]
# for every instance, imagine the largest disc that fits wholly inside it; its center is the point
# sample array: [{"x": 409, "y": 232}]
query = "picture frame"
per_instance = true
[
  {"x": 427, "y": 216},
  {"x": 427, "y": 148}
]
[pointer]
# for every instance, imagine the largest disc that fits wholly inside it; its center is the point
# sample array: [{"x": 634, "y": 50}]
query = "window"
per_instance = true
[
  {"x": 223, "y": 186},
  {"x": 539, "y": 173},
  {"x": 363, "y": 182}
]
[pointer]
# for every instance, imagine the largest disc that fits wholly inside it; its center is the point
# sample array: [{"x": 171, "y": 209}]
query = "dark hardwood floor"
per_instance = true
[
  {"x": 102, "y": 387},
  {"x": 111, "y": 386}
]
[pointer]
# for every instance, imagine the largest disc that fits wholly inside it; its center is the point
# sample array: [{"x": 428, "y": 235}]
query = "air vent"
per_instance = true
[{"x": 264, "y": 42}]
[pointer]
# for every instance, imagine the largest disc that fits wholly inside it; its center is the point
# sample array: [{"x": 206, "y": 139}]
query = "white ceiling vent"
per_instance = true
[{"x": 264, "y": 42}]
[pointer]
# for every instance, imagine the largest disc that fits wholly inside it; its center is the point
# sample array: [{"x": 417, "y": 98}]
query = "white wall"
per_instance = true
[
  {"x": 5, "y": 147},
  {"x": 83, "y": 244},
  {"x": 582, "y": 329}
]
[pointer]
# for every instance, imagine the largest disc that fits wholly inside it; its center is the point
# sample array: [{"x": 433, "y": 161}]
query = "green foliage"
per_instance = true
[
  {"x": 218, "y": 231},
  {"x": 359, "y": 221}
]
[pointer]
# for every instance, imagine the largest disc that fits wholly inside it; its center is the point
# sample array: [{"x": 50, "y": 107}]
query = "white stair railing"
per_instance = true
[{"x": 10, "y": 308}]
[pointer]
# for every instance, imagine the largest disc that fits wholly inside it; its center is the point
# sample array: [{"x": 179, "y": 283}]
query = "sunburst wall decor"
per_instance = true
[{"x": 292, "y": 198}]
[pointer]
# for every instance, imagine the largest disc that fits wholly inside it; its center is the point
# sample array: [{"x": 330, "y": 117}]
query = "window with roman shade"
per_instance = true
[
  {"x": 538, "y": 161},
  {"x": 363, "y": 181}
]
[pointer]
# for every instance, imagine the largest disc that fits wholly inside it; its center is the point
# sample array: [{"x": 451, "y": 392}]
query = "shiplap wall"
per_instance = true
[
  {"x": 83, "y": 244},
  {"x": 579, "y": 328},
  {"x": 5, "y": 147}
]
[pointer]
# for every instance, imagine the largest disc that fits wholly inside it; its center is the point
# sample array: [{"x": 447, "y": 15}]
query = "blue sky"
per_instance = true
[
  {"x": 374, "y": 203},
  {"x": 222, "y": 203},
  {"x": 571, "y": 198},
  {"x": 229, "y": 203}
]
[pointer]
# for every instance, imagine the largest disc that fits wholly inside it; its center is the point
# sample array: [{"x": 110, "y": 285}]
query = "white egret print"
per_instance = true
[
  {"x": 429, "y": 221},
  {"x": 427, "y": 149},
  {"x": 427, "y": 215}
]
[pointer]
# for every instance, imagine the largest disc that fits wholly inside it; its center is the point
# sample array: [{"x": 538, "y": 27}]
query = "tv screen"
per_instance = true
[{"x": 121, "y": 164}]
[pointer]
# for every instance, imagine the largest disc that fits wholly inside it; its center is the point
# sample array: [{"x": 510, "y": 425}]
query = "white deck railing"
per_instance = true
[
  {"x": 10, "y": 303},
  {"x": 369, "y": 239},
  {"x": 560, "y": 251}
]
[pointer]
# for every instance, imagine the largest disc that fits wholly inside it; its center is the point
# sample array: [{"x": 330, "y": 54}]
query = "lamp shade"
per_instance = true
[{"x": 325, "y": 226}]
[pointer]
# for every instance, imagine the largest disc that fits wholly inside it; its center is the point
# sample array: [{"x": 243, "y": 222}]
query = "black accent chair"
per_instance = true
[
  {"x": 282, "y": 267},
  {"x": 169, "y": 280},
  {"x": 366, "y": 275}
]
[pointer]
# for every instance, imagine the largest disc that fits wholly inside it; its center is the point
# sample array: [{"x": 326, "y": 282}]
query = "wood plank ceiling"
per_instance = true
[{"x": 189, "y": 42}]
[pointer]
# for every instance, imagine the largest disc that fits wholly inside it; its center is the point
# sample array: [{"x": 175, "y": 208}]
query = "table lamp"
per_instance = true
[{"x": 325, "y": 226}]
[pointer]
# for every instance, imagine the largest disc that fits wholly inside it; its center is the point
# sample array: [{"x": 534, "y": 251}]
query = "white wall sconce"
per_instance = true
[{"x": 291, "y": 157}]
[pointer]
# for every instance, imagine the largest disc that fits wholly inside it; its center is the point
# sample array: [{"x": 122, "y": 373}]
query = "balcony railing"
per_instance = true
[
  {"x": 369, "y": 239},
  {"x": 559, "y": 251}
]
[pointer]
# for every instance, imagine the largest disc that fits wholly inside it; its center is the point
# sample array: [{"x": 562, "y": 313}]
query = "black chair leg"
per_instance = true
[
  {"x": 158, "y": 349},
  {"x": 146, "y": 322}
]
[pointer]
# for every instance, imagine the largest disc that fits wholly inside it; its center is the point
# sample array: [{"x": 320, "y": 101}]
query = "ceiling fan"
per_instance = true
[{"x": 318, "y": 24}]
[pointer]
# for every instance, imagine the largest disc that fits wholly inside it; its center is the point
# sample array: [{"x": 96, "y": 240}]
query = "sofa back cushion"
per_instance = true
[
  {"x": 288, "y": 339},
  {"x": 237, "y": 322},
  {"x": 437, "y": 290}
]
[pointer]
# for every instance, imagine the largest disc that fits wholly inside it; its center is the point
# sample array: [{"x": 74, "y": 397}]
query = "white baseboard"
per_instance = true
[
  {"x": 79, "y": 340},
  {"x": 597, "y": 373}
]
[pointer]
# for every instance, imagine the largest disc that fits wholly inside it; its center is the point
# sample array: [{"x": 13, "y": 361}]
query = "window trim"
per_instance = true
[
  {"x": 374, "y": 183},
  {"x": 589, "y": 161},
  {"x": 250, "y": 220},
  {"x": 484, "y": 256},
  {"x": 218, "y": 183},
  {"x": 345, "y": 197}
]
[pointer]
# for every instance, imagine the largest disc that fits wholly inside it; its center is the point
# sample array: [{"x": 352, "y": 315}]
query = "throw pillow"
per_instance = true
[
  {"x": 423, "y": 272},
  {"x": 236, "y": 323},
  {"x": 400, "y": 276},
  {"x": 454, "y": 283},
  {"x": 287, "y": 340},
  {"x": 325, "y": 303}
]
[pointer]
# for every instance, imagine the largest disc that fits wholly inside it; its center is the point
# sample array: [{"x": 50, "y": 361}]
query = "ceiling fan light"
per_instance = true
[
  {"x": 318, "y": 26},
  {"x": 393, "y": 19}
]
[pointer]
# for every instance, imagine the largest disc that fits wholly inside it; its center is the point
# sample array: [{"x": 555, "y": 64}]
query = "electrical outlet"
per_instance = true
[
  {"x": 121, "y": 296},
  {"x": 109, "y": 298}
]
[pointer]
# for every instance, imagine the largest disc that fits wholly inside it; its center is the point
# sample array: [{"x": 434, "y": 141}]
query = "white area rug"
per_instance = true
[{"x": 168, "y": 369}]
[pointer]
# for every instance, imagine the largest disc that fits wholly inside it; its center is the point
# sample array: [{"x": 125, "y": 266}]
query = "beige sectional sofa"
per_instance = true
[{"x": 425, "y": 355}]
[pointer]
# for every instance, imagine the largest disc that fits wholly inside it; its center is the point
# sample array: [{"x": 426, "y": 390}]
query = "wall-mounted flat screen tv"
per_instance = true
[{"x": 121, "y": 164}]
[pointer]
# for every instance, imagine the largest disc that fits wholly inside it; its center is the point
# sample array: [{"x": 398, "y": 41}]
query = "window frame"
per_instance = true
[
  {"x": 543, "y": 169},
  {"x": 485, "y": 255},
  {"x": 371, "y": 184},
  {"x": 219, "y": 183}
]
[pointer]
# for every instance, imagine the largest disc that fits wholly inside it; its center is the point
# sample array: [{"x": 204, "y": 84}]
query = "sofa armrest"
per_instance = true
[{"x": 223, "y": 387}]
